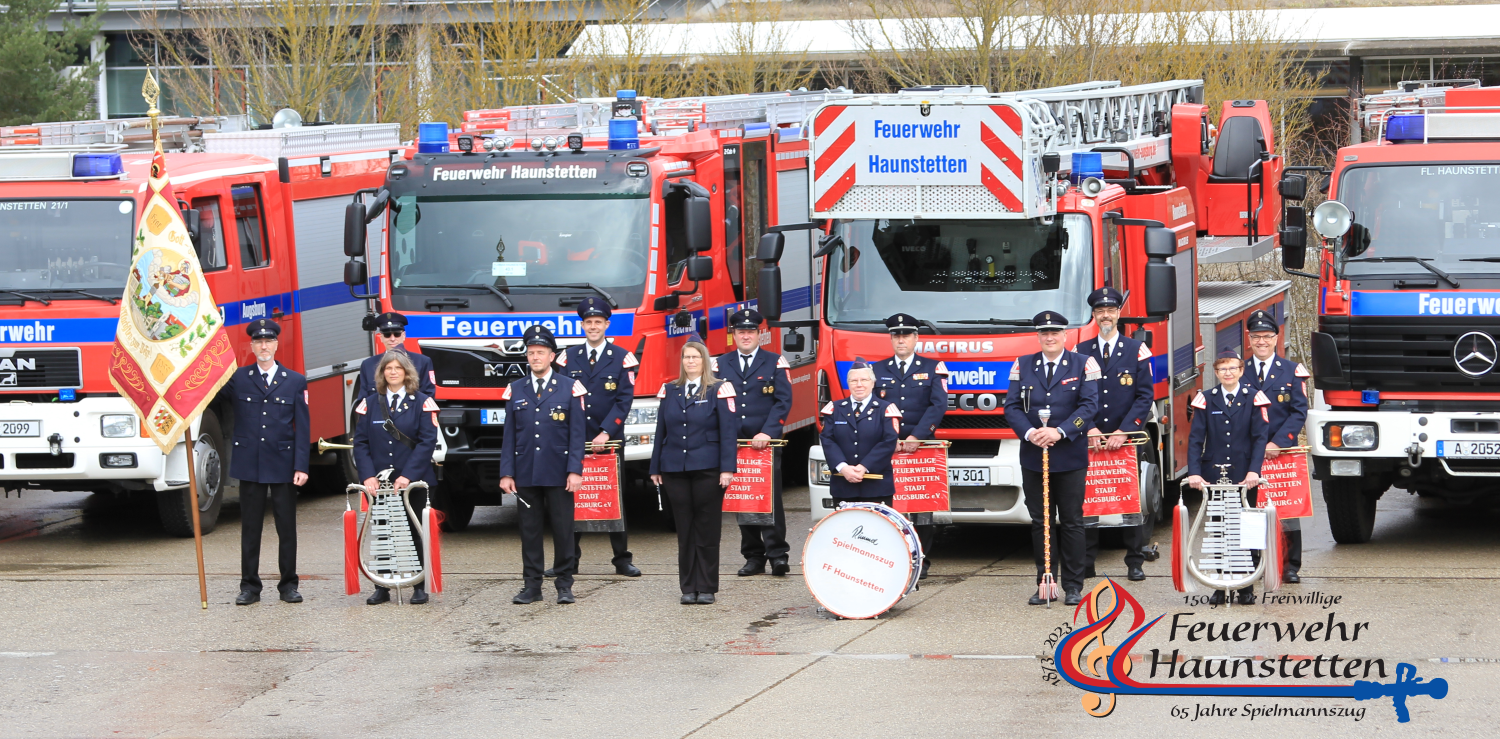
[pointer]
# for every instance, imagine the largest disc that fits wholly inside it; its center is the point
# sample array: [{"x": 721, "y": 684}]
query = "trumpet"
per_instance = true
[
  {"x": 1132, "y": 438},
  {"x": 324, "y": 446},
  {"x": 748, "y": 442}
]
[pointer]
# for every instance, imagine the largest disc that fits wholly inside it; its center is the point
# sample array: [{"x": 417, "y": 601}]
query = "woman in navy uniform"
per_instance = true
[
  {"x": 917, "y": 385},
  {"x": 763, "y": 388},
  {"x": 1284, "y": 383},
  {"x": 541, "y": 463},
  {"x": 858, "y": 438},
  {"x": 1126, "y": 392},
  {"x": 608, "y": 373},
  {"x": 1228, "y": 438},
  {"x": 392, "y": 328},
  {"x": 269, "y": 457},
  {"x": 1066, "y": 385},
  {"x": 397, "y": 430},
  {"x": 693, "y": 460}
]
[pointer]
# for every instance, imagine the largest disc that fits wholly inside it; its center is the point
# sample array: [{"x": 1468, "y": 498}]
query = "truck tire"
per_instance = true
[
  {"x": 1351, "y": 509},
  {"x": 172, "y": 505},
  {"x": 457, "y": 508}
]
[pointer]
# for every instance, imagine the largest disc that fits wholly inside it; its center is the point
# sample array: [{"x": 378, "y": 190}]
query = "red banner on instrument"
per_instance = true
[
  {"x": 921, "y": 480},
  {"x": 599, "y": 497},
  {"x": 753, "y": 478},
  {"x": 1284, "y": 482},
  {"x": 1113, "y": 484}
]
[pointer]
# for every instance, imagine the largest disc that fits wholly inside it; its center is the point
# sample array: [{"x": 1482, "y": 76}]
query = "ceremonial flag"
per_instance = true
[{"x": 171, "y": 351}]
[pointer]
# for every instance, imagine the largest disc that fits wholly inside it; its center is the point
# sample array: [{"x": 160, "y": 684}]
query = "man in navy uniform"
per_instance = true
[
  {"x": 1126, "y": 392},
  {"x": 763, "y": 387},
  {"x": 392, "y": 328},
  {"x": 608, "y": 373},
  {"x": 1065, "y": 385},
  {"x": 858, "y": 438},
  {"x": 1228, "y": 438},
  {"x": 917, "y": 385},
  {"x": 269, "y": 455},
  {"x": 541, "y": 462},
  {"x": 1284, "y": 383}
]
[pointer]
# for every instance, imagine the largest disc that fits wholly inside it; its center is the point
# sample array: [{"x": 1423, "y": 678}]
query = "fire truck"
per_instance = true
[
  {"x": 1404, "y": 353},
  {"x": 521, "y": 213},
  {"x": 973, "y": 211},
  {"x": 265, "y": 211}
]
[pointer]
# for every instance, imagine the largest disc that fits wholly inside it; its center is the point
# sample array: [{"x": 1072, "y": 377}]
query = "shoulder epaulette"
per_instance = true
[
  {"x": 942, "y": 369},
  {"x": 579, "y": 390},
  {"x": 726, "y": 390},
  {"x": 781, "y": 362},
  {"x": 1144, "y": 353},
  {"x": 629, "y": 360},
  {"x": 662, "y": 393},
  {"x": 827, "y": 408},
  {"x": 1261, "y": 399},
  {"x": 360, "y": 409},
  {"x": 562, "y": 358},
  {"x": 714, "y": 362},
  {"x": 1090, "y": 369},
  {"x": 506, "y": 394},
  {"x": 1302, "y": 371},
  {"x": 1199, "y": 401},
  {"x": 430, "y": 405},
  {"x": 891, "y": 411},
  {"x": 1015, "y": 370}
]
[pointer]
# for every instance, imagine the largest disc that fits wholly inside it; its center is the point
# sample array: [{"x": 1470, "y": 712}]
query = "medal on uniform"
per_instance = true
[
  {"x": 768, "y": 390},
  {"x": 610, "y": 385}
]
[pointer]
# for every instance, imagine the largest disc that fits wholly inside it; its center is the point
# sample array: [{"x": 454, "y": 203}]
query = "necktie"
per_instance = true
[
  {"x": 1262, "y": 372},
  {"x": 1107, "y": 350},
  {"x": 266, "y": 378},
  {"x": 593, "y": 356},
  {"x": 744, "y": 364},
  {"x": 1049, "y": 372},
  {"x": 904, "y": 364},
  {"x": 692, "y": 389},
  {"x": 539, "y": 387},
  {"x": 394, "y": 397}
]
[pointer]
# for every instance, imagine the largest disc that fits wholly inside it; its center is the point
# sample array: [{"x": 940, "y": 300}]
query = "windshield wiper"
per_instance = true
[
  {"x": 24, "y": 296},
  {"x": 76, "y": 291},
  {"x": 471, "y": 286},
  {"x": 585, "y": 285},
  {"x": 1417, "y": 260},
  {"x": 995, "y": 321},
  {"x": 1481, "y": 259}
]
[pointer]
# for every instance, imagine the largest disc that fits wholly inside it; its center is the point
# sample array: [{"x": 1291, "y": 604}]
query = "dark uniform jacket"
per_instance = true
[
  {"x": 696, "y": 433},
  {"x": 420, "y": 362},
  {"x": 1286, "y": 388},
  {"x": 1125, "y": 385},
  {"x": 610, "y": 383},
  {"x": 1073, "y": 396},
  {"x": 920, "y": 393},
  {"x": 869, "y": 439},
  {"x": 271, "y": 425},
  {"x": 544, "y": 434},
  {"x": 763, "y": 395},
  {"x": 1232, "y": 434},
  {"x": 376, "y": 449}
]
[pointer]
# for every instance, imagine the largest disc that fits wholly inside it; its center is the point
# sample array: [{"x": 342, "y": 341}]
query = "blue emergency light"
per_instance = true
[
  {"x": 1405, "y": 128},
  {"x": 97, "y": 165},
  {"x": 67, "y": 395},
  {"x": 1087, "y": 164},
  {"x": 432, "y": 138},
  {"x": 624, "y": 131},
  {"x": 1369, "y": 397}
]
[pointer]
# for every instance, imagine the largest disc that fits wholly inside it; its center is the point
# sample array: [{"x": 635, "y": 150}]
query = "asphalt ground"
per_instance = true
[{"x": 101, "y": 634}]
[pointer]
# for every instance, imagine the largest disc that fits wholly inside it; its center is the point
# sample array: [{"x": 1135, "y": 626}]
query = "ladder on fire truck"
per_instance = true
[
  {"x": 178, "y": 133},
  {"x": 659, "y": 116}
]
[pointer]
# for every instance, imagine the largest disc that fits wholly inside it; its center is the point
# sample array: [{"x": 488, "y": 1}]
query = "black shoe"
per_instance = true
[
  {"x": 527, "y": 596},
  {"x": 550, "y": 572},
  {"x": 779, "y": 568},
  {"x": 565, "y": 596},
  {"x": 1246, "y": 597},
  {"x": 1290, "y": 576},
  {"x": 1137, "y": 574},
  {"x": 1036, "y": 600},
  {"x": 1217, "y": 599},
  {"x": 926, "y": 563},
  {"x": 1150, "y": 552},
  {"x": 705, "y": 599},
  {"x": 1072, "y": 598},
  {"x": 628, "y": 570},
  {"x": 418, "y": 596},
  {"x": 1088, "y": 572},
  {"x": 291, "y": 596},
  {"x": 247, "y": 597},
  {"x": 690, "y": 599},
  {"x": 381, "y": 595},
  {"x": 753, "y": 567}
]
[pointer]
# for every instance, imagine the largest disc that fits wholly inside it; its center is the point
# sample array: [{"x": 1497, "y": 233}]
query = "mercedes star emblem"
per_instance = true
[{"x": 1475, "y": 353}]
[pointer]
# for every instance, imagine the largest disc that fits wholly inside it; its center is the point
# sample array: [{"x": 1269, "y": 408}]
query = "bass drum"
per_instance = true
[{"x": 860, "y": 560}]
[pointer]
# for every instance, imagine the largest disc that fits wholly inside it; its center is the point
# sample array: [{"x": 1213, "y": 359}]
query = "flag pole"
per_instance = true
[{"x": 192, "y": 492}]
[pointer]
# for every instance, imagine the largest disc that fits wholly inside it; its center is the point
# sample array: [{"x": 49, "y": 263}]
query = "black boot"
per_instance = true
[
  {"x": 1246, "y": 597},
  {"x": 418, "y": 595},
  {"x": 381, "y": 595},
  {"x": 1293, "y": 557}
]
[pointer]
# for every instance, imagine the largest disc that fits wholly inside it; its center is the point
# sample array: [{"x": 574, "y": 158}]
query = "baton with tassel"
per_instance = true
[{"x": 1047, "y": 589}]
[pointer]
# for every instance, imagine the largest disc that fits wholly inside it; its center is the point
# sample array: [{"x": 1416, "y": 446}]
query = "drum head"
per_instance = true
[{"x": 857, "y": 562}]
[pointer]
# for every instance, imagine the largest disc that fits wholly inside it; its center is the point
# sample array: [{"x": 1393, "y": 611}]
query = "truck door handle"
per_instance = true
[{"x": 277, "y": 313}]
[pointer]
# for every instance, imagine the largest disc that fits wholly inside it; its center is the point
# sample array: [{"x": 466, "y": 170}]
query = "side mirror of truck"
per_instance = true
[
  {"x": 1292, "y": 187},
  {"x": 377, "y": 206},
  {"x": 193, "y": 219},
  {"x": 354, "y": 230},
  {"x": 354, "y": 273},
  {"x": 1145, "y": 337},
  {"x": 1293, "y": 236},
  {"x": 768, "y": 291},
  {"x": 697, "y": 225},
  {"x": 770, "y": 247},
  {"x": 794, "y": 342},
  {"x": 1161, "y": 243},
  {"x": 700, "y": 268},
  {"x": 1161, "y": 276}
]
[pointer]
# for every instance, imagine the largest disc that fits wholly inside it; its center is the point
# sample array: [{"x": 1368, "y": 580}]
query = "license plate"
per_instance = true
[
  {"x": 492, "y": 417},
  {"x": 968, "y": 475},
  {"x": 21, "y": 428},
  {"x": 1469, "y": 449}
]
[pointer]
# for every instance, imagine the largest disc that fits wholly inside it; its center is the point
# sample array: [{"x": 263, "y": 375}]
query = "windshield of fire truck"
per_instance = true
[
  {"x": 983, "y": 272},
  {"x": 78, "y": 244},
  {"x": 511, "y": 242},
  {"x": 1446, "y": 213}
]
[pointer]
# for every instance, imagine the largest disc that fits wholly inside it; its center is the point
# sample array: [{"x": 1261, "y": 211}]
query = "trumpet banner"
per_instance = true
[
  {"x": 1113, "y": 483},
  {"x": 171, "y": 352}
]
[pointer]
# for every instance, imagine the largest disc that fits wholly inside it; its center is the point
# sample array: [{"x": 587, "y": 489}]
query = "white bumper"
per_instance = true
[
  {"x": 999, "y": 502},
  {"x": 1401, "y": 435},
  {"x": 78, "y": 426}
]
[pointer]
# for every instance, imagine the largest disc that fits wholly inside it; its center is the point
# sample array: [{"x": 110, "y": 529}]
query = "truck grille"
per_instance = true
[
  {"x": 39, "y": 369},
  {"x": 474, "y": 368},
  {"x": 1405, "y": 354},
  {"x": 986, "y": 421}
]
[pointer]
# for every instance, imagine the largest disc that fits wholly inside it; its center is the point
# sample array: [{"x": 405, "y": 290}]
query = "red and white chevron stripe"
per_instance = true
[
  {"x": 833, "y": 169},
  {"x": 1001, "y": 169}
]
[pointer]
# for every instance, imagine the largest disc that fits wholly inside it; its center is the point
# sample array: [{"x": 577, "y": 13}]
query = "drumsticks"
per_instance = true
[{"x": 1047, "y": 589}]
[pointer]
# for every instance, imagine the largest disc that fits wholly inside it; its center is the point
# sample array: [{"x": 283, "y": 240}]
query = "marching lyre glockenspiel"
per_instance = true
[
  {"x": 1218, "y": 550},
  {"x": 385, "y": 551}
]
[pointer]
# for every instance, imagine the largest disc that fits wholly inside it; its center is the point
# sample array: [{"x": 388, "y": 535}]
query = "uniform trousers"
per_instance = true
[
  {"x": 538, "y": 506},
  {"x": 1066, "y": 493},
  {"x": 760, "y": 543},
  {"x": 418, "y": 500},
  {"x": 698, "y": 507},
  {"x": 252, "y": 522}
]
